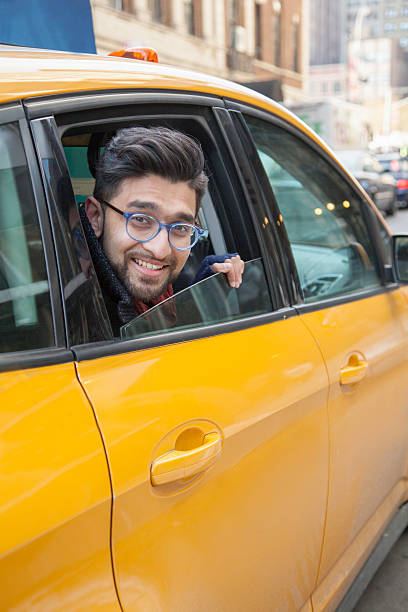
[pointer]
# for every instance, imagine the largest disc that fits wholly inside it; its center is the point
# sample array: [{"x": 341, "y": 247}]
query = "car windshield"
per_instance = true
[{"x": 208, "y": 302}]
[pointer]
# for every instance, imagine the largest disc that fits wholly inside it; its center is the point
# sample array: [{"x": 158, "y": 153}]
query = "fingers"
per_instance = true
[{"x": 233, "y": 268}]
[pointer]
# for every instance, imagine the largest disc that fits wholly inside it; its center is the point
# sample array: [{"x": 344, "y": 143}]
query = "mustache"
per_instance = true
[{"x": 145, "y": 254}]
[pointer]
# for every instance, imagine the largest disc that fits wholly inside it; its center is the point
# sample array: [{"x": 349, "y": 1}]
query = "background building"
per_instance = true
[
  {"x": 381, "y": 18},
  {"x": 262, "y": 43},
  {"x": 328, "y": 69}
]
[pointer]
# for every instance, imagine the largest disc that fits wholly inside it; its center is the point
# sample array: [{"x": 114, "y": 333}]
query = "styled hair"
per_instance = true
[{"x": 139, "y": 151}]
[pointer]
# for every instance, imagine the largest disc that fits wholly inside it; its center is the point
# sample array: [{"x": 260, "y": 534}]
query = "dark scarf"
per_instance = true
[{"x": 121, "y": 306}]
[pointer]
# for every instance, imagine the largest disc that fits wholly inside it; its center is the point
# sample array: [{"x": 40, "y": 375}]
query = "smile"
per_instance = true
[{"x": 146, "y": 264}]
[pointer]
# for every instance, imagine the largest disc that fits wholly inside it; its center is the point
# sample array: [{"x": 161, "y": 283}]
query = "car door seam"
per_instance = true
[{"x": 110, "y": 484}]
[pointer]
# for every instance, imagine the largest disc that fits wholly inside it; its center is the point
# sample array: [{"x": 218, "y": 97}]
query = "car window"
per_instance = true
[
  {"x": 322, "y": 215},
  {"x": 84, "y": 307},
  {"x": 227, "y": 229},
  {"x": 25, "y": 305},
  {"x": 208, "y": 302}
]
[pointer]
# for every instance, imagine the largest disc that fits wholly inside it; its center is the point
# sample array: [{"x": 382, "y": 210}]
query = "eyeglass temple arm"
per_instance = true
[{"x": 112, "y": 207}]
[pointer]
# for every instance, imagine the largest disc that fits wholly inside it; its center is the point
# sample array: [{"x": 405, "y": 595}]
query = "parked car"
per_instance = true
[
  {"x": 250, "y": 454},
  {"x": 398, "y": 167},
  {"x": 376, "y": 180}
]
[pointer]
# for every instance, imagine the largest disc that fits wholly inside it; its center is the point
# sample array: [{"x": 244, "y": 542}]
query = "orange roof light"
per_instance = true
[{"x": 141, "y": 53}]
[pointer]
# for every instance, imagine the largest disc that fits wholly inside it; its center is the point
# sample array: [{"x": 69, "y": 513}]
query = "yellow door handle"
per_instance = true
[
  {"x": 354, "y": 371},
  {"x": 176, "y": 464}
]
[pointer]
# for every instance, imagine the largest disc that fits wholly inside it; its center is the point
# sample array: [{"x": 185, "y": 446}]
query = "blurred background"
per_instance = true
[{"x": 340, "y": 65}]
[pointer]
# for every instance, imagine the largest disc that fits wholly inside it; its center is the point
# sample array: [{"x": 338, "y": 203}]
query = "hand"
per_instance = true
[{"x": 233, "y": 268}]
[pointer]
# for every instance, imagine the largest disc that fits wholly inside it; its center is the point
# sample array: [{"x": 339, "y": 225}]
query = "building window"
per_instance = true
[
  {"x": 404, "y": 11},
  {"x": 390, "y": 27},
  {"x": 337, "y": 86},
  {"x": 192, "y": 15},
  {"x": 156, "y": 10},
  {"x": 258, "y": 31},
  {"x": 116, "y": 4},
  {"x": 390, "y": 12},
  {"x": 403, "y": 42},
  {"x": 160, "y": 11},
  {"x": 276, "y": 29},
  {"x": 404, "y": 25},
  {"x": 123, "y": 5},
  {"x": 295, "y": 42}
]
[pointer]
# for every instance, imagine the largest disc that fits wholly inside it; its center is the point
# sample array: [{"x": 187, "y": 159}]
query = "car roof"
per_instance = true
[{"x": 27, "y": 73}]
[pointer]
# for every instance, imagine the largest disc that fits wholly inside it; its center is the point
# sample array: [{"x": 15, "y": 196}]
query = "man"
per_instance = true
[{"x": 141, "y": 222}]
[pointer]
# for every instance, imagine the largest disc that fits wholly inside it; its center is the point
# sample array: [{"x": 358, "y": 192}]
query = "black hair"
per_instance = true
[{"x": 139, "y": 151}]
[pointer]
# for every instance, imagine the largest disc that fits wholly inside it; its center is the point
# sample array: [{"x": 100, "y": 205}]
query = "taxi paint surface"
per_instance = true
[
  {"x": 368, "y": 428},
  {"x": 54, "y": 489},
  {"x": 248, "y": 534}
]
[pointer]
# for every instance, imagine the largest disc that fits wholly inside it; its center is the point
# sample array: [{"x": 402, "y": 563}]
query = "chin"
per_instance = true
[{"x": 142, "y": 293}]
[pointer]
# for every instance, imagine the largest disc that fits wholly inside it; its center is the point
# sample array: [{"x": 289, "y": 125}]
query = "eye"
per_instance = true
[
  {"x": 142, "y": 221},
  {"x": 182, "y": 229}
]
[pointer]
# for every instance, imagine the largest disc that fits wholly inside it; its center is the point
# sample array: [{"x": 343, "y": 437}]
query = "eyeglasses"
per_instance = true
[{"x": 142, "y": 228}]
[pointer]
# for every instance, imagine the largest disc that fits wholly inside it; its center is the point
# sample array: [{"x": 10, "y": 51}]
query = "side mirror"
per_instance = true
[{"x": 400, "y": 257}]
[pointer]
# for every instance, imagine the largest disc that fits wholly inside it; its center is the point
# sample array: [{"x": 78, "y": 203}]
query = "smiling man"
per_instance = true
[{"x": 141, "y": 222}]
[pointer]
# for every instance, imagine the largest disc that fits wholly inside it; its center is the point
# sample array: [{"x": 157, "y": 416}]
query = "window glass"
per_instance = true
[
  {"x": 86, "y": 316},
  {"x": 206, "y": 303},
  {"x": 321, "y": 213},
  {"x": 25, "y": 307}
]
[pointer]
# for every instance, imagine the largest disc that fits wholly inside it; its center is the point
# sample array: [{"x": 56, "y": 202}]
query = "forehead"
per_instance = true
[{"x": 157, "y": 194}]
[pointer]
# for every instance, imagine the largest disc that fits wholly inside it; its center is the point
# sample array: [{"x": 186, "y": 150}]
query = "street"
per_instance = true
[{"x": 388, "y": 590}]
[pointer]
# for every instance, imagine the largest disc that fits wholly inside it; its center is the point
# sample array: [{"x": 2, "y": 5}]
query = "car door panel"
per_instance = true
[
  {"x": 368, "y": 420},
  {"x": 334, "y": 585},
  {"x": 55, "y": 488},
  {"x": 360, "y": 328},
  {"x": 241, "y": 536}
]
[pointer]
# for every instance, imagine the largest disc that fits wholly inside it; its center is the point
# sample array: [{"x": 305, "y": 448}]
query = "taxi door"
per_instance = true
[
  {"x": 359, "y": 321},
  {"x": 55, "y": 496},
  {"x": 217, "y": 445},
  {"x": 215, "y": 431}
]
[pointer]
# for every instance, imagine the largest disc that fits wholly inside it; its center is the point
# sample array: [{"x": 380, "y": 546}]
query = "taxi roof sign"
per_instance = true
[{"x": 146, "y": 54}]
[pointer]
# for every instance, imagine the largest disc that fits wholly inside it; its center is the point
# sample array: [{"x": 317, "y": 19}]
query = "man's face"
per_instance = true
[{"x": 147, "y": 268}]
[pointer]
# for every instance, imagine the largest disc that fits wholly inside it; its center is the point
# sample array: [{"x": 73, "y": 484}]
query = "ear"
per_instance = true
[{"x": 95, "y": 215}]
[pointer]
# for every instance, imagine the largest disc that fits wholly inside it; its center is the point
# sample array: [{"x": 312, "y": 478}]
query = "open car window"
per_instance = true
[{"x": 208, "y": 302}]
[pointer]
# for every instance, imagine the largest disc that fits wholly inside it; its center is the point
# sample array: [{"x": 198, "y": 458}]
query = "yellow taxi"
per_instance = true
[{"x": 251, "y": 455}]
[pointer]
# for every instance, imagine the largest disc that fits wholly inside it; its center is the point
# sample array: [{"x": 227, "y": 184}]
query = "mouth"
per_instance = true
[{"x": 148, "y": 268}]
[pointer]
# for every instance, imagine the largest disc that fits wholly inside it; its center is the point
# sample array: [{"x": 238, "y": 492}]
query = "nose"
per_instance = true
[{"x": 159, "y": 246}]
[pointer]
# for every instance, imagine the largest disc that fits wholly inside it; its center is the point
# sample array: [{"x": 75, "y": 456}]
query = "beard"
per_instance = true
[{"x": 144, "y": 289}]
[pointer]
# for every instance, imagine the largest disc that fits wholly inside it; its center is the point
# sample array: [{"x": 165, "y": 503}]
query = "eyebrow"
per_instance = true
[{"x": 152, "y": 206}]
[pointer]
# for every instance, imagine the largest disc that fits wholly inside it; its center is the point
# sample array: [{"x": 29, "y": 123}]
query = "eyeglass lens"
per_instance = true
[{"x": 144, "y": 227}]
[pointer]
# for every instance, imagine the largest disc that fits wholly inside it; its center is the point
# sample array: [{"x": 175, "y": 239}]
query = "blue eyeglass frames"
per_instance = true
[{"x": 142, "y": 228}]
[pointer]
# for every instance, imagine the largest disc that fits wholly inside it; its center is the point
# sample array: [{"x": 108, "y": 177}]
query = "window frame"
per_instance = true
[
  {"x": 387, "y": 283},
  {"x": 58, "y": 353},
  {"x": 70, "y": 110}
]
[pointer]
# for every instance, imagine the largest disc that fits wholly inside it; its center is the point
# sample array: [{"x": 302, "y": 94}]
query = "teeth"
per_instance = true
[{"x": 145, "y": 264}]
